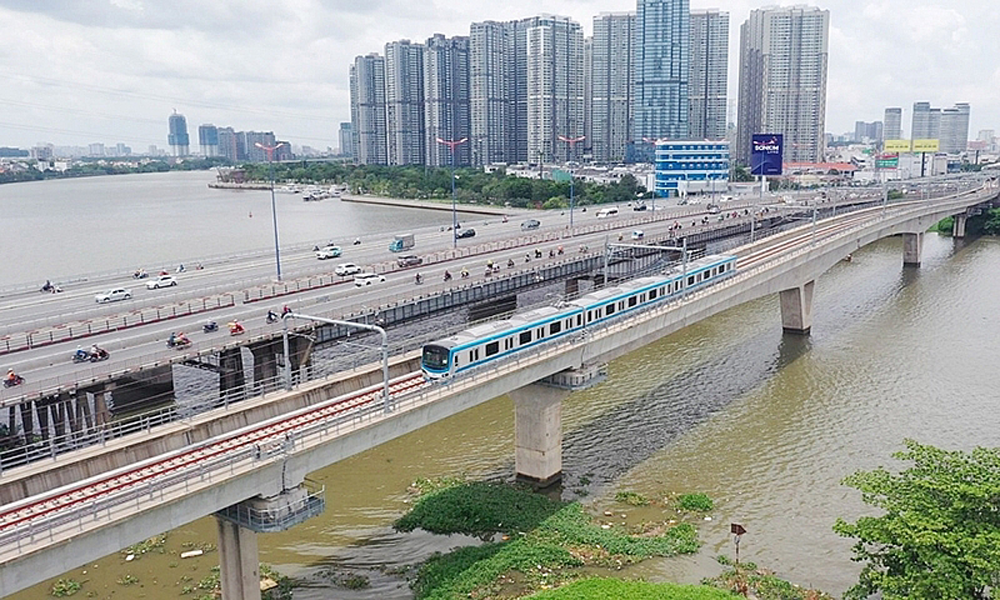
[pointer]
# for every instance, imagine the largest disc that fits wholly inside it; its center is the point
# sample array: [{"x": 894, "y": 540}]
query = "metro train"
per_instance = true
[{"x": 492, "y": 341}]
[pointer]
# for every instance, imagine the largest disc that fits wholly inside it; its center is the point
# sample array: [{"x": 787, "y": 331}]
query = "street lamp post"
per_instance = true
[
  {"x": 572, "y": 144},
  {"x": 652, "y": 141},
  {"x": 274, "y": 212},
  {"x": 454, "y": 214}
]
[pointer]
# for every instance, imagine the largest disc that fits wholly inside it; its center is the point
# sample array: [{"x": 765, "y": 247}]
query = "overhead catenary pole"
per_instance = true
[{"x": 349, "y": 324}]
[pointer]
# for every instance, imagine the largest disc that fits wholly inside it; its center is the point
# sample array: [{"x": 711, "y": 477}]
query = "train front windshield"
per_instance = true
[{"x": 435, "y": 358}]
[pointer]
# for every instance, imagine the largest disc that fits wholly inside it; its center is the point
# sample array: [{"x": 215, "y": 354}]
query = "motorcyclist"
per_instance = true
[
  {"x": 172, "y": 340},
  {"x": 510, "y": 263},
  {"x": 271, "y": 316},
  {"x": 11, "y": 377},
  {"x": 235, "y": 327},
  {"x": 552, "y": 253},
  {"x": 95, "y": 352},
  {"x": 80, "y": 353},
  {"x": 357, "y": 241},
  {"x": 538, "y": 253},
  {"x": 447, "y": 275},
  {"x": 182, "y": 339},
  {"x": 285, "y": 310},
  {"x": 465, "y": 272},
  {"x": 417, "y": 277}
]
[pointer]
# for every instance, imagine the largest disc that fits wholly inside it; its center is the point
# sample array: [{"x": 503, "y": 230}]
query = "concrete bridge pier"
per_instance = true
[
  {"x": 265, "y": 364},
  {"x": 300, "y": 356},
  {"x": 239, "y": 524},
  {"x": 239, "y": 571},
  {"x": 538, "y": 434},
  {"x": 231, "y": 377},
  {"x": 796, "y": 309},
  {"x": 913, "y": 245},
  {"x": 958, "y": 225},
  {"x": 572, "y": 287}
]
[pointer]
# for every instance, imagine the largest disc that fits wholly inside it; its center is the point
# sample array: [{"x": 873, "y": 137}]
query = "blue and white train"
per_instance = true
[{"x": 492, "y": 341}]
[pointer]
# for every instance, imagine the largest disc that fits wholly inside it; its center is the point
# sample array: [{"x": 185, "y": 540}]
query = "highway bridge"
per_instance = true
[{"x": 94, "y": 501}]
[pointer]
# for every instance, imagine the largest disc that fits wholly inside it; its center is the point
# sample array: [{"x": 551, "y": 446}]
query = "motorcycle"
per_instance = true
[
  {"x": 140, "y": 275},
  {"x": 418, "y": 279},
  {"x": 178, "y": 342},
  {"x": 18, "y": 380},
  {"x": 235, "y": 328},
  {"x": 447, "y": 276},
  {"x": 210, "y": 327},
  {"x": 82, "y": 355},
  {"x": 272, "y": 317}
]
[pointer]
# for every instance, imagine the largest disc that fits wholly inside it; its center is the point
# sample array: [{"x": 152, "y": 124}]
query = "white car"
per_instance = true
[
  {"x": 113, "y": 295},
  {"x": 161, "y": 282},
  {"x": 638, "y": 234},
  {"x": 345, "y": 269},
  {"x": 328, "y": 252},
  {"x": 363, "y": 279}
]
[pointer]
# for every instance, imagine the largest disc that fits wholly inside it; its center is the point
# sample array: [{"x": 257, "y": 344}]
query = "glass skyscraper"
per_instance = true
[
  {"x": 178, "y": 137},
  {"x": 662, "y": 66}
]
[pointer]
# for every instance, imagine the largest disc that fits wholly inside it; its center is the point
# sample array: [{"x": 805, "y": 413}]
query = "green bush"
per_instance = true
[{"x": 600, "y": 589}]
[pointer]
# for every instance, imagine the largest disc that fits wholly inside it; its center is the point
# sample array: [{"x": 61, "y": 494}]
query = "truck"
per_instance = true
[{"x": 401, "y": 242}]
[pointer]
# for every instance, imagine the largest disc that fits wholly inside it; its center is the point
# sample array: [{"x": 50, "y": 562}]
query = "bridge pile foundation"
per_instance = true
[
  {"x": 796, "y": 309},
  {"x": 913, "y": 245},
  {"x": 538, "y": 434}
]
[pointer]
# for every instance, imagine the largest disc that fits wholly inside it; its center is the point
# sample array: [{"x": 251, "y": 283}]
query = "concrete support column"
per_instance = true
[
  {"x": 231, "y": 379},
  {"x": 913, "y": 245},
  {"x": 300, "y": 349},
  {"x": 42, "y": 410},
  {"x": 265, "y": 363},
  {"x": 796, "y": 309},
  {"x": 27, "y": 419},
  {"x": 572, "y": 287},
  {"x": 538, "y": 434},
  {"x": 102, "y": 416},
  {"x": 239, "y": 566},
  {"x": 958, "y": 226}
]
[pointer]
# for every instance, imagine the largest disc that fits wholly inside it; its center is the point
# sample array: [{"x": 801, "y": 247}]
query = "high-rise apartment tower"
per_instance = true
[
  {"x": 708, "y": 78},
  {"x": 612, "y": 94},
  {"x": 783, "y": 71}
]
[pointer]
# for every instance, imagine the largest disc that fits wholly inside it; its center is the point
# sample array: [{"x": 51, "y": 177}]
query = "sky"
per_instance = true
[{"x": 76, "y": 72}]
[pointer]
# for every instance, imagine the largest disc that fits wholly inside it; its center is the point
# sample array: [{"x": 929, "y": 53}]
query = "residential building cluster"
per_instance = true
[{"x": 535, "y": 90}]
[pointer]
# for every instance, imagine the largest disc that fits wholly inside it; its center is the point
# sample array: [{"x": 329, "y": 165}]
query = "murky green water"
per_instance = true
[{"x": 767, "y": 425}]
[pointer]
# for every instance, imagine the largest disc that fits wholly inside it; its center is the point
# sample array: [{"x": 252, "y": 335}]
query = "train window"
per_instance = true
[
  {"x": 632, "y": 301},
  {"x": 579, "y": 320},
  {"x": 492, "y": 348},
  {"x": 691, "y": 280},
  {"x": 652, "y": 294},
  {"x": 475, "y": 354},
  {"x": 555, "y": 327},
  {"x": 525, "y": 337},
  {"x": 539, "y": 333},
  {"x": 610, "y": 309}
]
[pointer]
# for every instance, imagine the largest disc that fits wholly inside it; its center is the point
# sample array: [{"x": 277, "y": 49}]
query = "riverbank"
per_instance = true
[
  {"x": 221, "y": 185},
  {"x": 435, "y": 205}
]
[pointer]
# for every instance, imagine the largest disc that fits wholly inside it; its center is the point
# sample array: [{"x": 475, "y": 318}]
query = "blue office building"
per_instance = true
[
  {"x": 178, "y": 136},
  {"x": 690, "y": 167}
]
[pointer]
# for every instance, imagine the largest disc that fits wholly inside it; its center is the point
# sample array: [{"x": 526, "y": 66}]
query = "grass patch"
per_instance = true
[
  {"x": 632, "y": 499},
  {"x": 695, "y": 502},
  {"x": 746, "y": 578},
  {"x": 153, "y": 544},
  {"x": 594, "y": 589},
  {"x": 65, "y": 587},
  {"x": 543, "y": 540}
]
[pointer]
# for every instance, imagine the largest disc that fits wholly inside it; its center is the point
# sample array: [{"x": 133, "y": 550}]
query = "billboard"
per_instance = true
[
  {"x": 765, "y": 154},
  {"x": 926, "y": 146},
  {"x": 897, "y": 146},
  {"x": 887, "y": 161}
]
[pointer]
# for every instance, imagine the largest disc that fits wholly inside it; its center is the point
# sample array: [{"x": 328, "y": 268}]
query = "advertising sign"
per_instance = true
[
  {"x": 926, "y": 146},
  {"x": 897, "y": 146},
  {"x": 887, "y": 161},
  {"x": 765, "y": 154}
]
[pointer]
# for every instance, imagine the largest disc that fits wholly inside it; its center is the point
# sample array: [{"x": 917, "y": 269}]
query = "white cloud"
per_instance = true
[{"x": 282, "y": 64}]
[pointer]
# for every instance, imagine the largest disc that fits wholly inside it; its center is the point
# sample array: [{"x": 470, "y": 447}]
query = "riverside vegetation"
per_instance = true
[{"x": 532, "y": 543}]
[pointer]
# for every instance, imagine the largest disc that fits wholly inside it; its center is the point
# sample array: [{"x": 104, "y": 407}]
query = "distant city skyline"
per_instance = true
[{"x": 230, "y": 63}]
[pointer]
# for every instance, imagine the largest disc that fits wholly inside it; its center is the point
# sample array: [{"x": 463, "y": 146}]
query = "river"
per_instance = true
[
  {"x": 768, "y": 425},
  {"x": 71, "y": 227}
]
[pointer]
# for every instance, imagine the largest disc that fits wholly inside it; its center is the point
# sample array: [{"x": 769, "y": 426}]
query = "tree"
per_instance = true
[{"x": 939, "y": 536}]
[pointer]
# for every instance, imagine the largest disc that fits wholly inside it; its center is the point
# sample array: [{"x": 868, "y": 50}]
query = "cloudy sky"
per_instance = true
[{"x": 82, "y": 71}]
